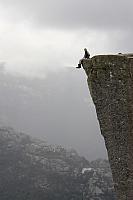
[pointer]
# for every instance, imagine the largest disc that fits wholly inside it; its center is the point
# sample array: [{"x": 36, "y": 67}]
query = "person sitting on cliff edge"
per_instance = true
[{"x": 86, "y": 56}]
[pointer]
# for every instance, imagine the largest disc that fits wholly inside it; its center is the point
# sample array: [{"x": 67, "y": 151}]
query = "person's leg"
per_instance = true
[{"x": 79, "y": 65}]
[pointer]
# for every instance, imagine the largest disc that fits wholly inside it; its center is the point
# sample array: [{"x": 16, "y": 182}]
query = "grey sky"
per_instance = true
[
  {"x": 32, "y": 31},
  {"x": 96, "y": 14}
]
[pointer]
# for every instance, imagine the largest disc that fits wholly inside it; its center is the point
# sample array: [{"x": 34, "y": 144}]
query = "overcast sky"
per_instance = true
[{"x": 37, "y": 35}]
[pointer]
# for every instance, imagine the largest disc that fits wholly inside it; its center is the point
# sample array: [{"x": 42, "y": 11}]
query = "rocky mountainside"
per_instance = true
[{"x": 30, "y": 169}]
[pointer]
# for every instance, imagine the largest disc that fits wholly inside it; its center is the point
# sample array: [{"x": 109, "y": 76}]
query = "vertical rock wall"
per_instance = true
[{"x": 110, "y": 80}]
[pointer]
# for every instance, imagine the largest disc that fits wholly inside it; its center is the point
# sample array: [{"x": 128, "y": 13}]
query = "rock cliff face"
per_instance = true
[
  {"x": 110, "y": 80},
  {"x": 30, "y": 169}
]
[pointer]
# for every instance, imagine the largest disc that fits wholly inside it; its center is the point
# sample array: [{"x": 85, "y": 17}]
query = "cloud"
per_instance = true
[
  {"x": 35, "y": 51},
  {"x": 73, "y": 14}
]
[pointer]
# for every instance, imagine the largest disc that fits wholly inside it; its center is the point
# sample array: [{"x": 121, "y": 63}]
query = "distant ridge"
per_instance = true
[{"x": 33, "y": 170}]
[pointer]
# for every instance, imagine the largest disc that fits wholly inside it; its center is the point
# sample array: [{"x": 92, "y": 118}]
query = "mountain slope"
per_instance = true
[{"x": 30, "y": 169}]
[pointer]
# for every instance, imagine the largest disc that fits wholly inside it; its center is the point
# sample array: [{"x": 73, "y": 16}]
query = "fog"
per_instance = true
[{"x": 57, "y": 109}]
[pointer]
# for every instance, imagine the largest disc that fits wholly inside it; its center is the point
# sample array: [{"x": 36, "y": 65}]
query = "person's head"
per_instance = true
[{"x": 85, "y": 49}]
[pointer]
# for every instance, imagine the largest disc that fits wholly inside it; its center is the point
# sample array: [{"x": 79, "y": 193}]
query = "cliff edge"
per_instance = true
[{"x": 110, "y": 80}]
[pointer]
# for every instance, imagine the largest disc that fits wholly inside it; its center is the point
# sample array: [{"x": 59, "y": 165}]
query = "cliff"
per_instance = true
[{"x": 110, "y": 80}]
